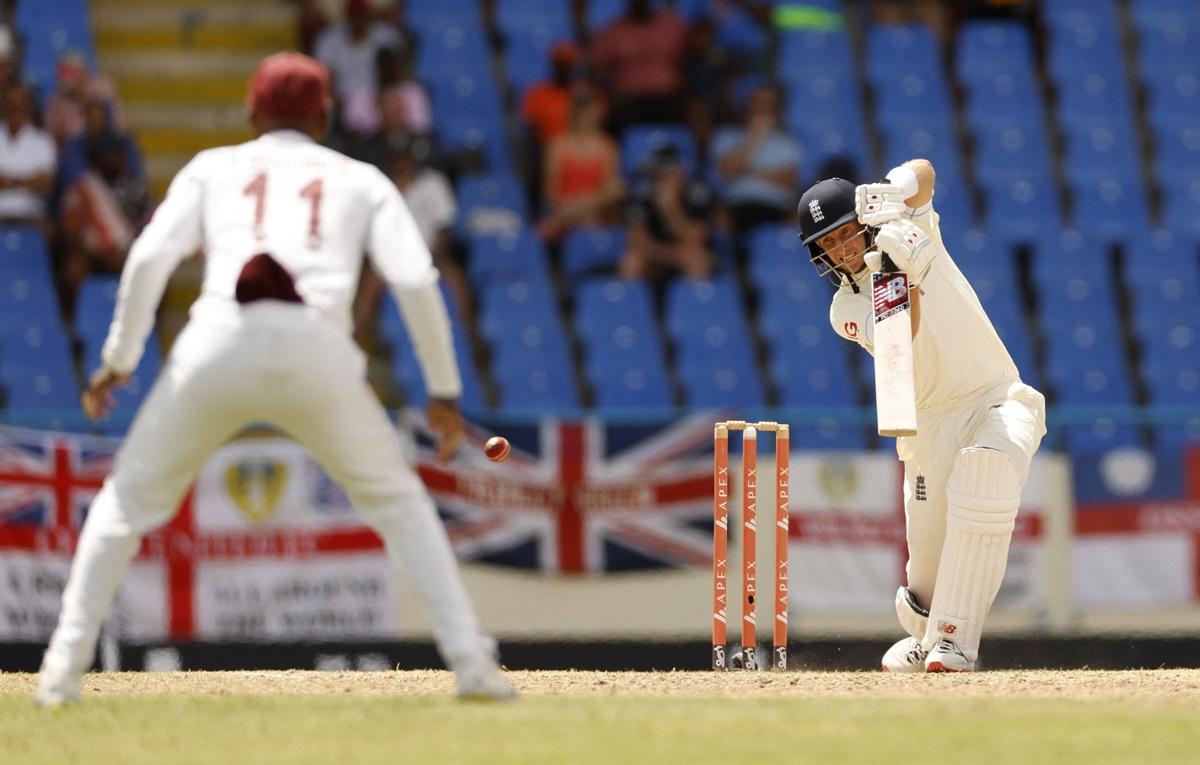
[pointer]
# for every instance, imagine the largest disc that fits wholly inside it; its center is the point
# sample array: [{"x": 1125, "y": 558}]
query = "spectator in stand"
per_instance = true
[
  {"x": 102, "y": 211},
  {"x": 27, "y": 161},
  {"x": 430, "y": 199},
  {"x": 547, "y": 105},
  {"x": 403, "y": 100},
  {"x": 10, "y": 70},
  {"x": 640, "y": 55},
  {"x": 758, "y": 164},
  {"x": 668, "y": 222},
  {"x": 350, "y": 50},
  {"x": 65, "y": 109},
  {"x": 581, "y": 182},
  {"x": 706, "y": 70},
  {"x": 98, "y": 125}
]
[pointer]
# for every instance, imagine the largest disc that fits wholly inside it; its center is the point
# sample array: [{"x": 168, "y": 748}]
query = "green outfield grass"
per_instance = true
[{"x": 593, "y": 728}]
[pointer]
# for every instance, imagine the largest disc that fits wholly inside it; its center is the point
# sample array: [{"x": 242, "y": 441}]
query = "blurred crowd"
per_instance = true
[{"x": 69, "y": 167}]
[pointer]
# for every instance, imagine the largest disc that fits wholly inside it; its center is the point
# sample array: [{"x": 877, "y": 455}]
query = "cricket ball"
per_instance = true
[{"x": 497, "y": 448}]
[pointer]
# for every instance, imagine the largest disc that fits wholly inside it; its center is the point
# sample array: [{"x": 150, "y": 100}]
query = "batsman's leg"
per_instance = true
[{"x": 983, "y": 494}]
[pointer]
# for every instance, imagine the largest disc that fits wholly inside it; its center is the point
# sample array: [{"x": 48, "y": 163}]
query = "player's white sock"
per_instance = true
[
  {"x": 101, "y": 560},
  {"x": 419, "y": 549},
  {"x": 982, "y": 498}
]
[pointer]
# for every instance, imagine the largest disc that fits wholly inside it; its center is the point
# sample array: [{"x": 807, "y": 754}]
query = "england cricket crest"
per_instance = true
[{"x": 256, "y": 486}]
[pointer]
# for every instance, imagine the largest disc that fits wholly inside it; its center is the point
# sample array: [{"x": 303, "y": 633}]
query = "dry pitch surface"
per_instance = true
[{"x": 586, "y": 717}]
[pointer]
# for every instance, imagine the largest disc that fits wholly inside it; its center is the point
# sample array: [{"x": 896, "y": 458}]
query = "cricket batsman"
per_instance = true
[
  {"x": 978, "y": 425},
  {"x": 283, "y": 224}
]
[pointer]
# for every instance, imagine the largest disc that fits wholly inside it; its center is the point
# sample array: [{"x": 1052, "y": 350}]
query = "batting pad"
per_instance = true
[{"x": 982, "y": 497}]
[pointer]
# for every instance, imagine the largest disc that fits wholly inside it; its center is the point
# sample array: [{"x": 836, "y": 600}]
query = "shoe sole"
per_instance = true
[{"x": 937, "y": 666}]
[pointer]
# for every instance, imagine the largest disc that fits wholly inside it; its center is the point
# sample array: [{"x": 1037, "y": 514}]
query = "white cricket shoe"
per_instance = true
[
  {"x": 58, "y": 686},
  {"x": 906, "y": 655},
  {"x": 481, "y": 679},
  {"x": 946, "y": 656}
]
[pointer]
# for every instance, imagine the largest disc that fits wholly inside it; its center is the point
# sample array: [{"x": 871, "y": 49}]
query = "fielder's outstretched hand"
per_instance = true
[
  {"x": 878, "y": 203},
  {"x": 97, "y": 400},
  {"x": 447, "y": 425}
]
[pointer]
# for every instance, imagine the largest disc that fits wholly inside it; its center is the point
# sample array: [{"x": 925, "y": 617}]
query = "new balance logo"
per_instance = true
[
  {"x": 814, "y": 209},
  {"x": 946, "y": 628}
]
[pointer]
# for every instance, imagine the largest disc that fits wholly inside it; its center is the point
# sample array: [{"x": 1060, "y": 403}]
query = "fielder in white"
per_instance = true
[
  {"x": 283, "y": 223},
  {"x": 978, "y": 425}
]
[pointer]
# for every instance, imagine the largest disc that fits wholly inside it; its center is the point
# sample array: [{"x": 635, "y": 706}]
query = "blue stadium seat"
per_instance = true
[
  {"x": 1174, "y": 99},
  {"x": 404, "y": 362},
  {"x": 987, "y": 48},
  {"x": 630, "y": 386},
  {"x": 1163, "y": 12},
  {"x": 534, "y": 21},
  {"x": 1095, "y": 97},
  {"x": 1082, "y": 46},
  {"x": 826, "y": 137},
  {"x": 1178, "y": 146},
  {"x": 527, "y": 59},
  {"x": 602, "y": 304},
  {"x": 829, "y": 434},
  {"x": 484, "y": 136},
  {"x": 641, "y": 141},
  {"x": 1013, "y": 151},
  {"x": 1174, "y": 382},
  {"x": 94, "y": 307},
  {"x": 1095, "y": 151},
  {"x": 1004, "y": 97},
  {"x": 1181, "y": 206},
  {"x": 1113, "y": 210},
  {"x": 713, "y": 383},
  {"x": 1075, "y": 287},
  {"x": 1084, "y": 361},
  {"x": 517, "y": 255},
  {"x": 1167, "y": 49},
  {"x": 429, "y": 17},
  {"x": 592, "y": 250},
  {"x": 1058, "y": 13},
  {"x": 810, "y": 367},
  {"x": 466, "y": 95},
  {"x": 507, "y": 304},
  {"x": 794, "y": 301},
  {"x": 688, "y": 299},
  {"x": 490, "y": 203},
  {"x": 536, "y": 381},
  {"x": 912, "y": 94},
  {"x": 453, "y": 47},
  {"x": 23, "y": 254},
  {"x": 776, "y": 255},
  {"x": 889, "y": 45},
  {"x": 801, "y": 53},
  {"x": 1021, "y": 211},
  {"x": 1086, "y": 443}
]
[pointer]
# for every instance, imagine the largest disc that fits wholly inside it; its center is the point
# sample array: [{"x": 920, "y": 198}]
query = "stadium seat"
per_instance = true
[
  {"x": 1013, "y": 151},
  {"x": 804, "y": 52},
  {"x": 1167, "y": 49},
  {"x": 1112, "y": 210},
  {"x": 601, "y": 303},
  {"x": 776, "y": 255},
  {"x": 1021, "y": 211},
  {"x": 1004, "y": 98},
  {"x": 716, "y": 383},
  {"x": 592, "y": 250},
  {"x": 687, "y": 299},
  {"x": 517, "y": 255},
  {"x": 490, "y": 204},
  {"x": 505, "y": 304},
  {"x": 534, "y": 21},
  {"x": 912, "y": 44},
  {"x": 987, "y": 48}
]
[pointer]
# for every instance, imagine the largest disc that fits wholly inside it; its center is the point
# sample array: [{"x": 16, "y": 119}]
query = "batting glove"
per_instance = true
[
  {"x": 878, "y": 203},
  {"x": 908, "y": 246}
]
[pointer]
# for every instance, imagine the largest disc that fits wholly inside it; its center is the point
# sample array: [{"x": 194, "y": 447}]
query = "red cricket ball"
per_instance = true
[{"x": 497, "y": 448}]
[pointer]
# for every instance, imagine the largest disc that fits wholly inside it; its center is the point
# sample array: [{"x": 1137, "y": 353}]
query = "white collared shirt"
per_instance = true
[{"x": 30, "y": 152}]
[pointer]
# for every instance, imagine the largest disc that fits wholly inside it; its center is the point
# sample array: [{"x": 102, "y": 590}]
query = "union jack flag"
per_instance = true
[
  {"x": 48, "y": 479},
  {"x": 582, "y": 496}
]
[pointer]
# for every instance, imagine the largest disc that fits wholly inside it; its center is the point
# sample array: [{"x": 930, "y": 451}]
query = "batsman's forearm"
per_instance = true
[{"x": 428, "y": 323}]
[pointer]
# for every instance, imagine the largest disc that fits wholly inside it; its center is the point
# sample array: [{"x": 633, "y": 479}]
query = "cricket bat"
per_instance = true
[{"x": 895, "y": 394}]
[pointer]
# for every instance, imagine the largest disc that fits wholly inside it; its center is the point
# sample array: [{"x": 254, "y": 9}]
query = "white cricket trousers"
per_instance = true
[
  {"x": 293, "y": 367},
  {"x": 1011, "y": 419}
]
